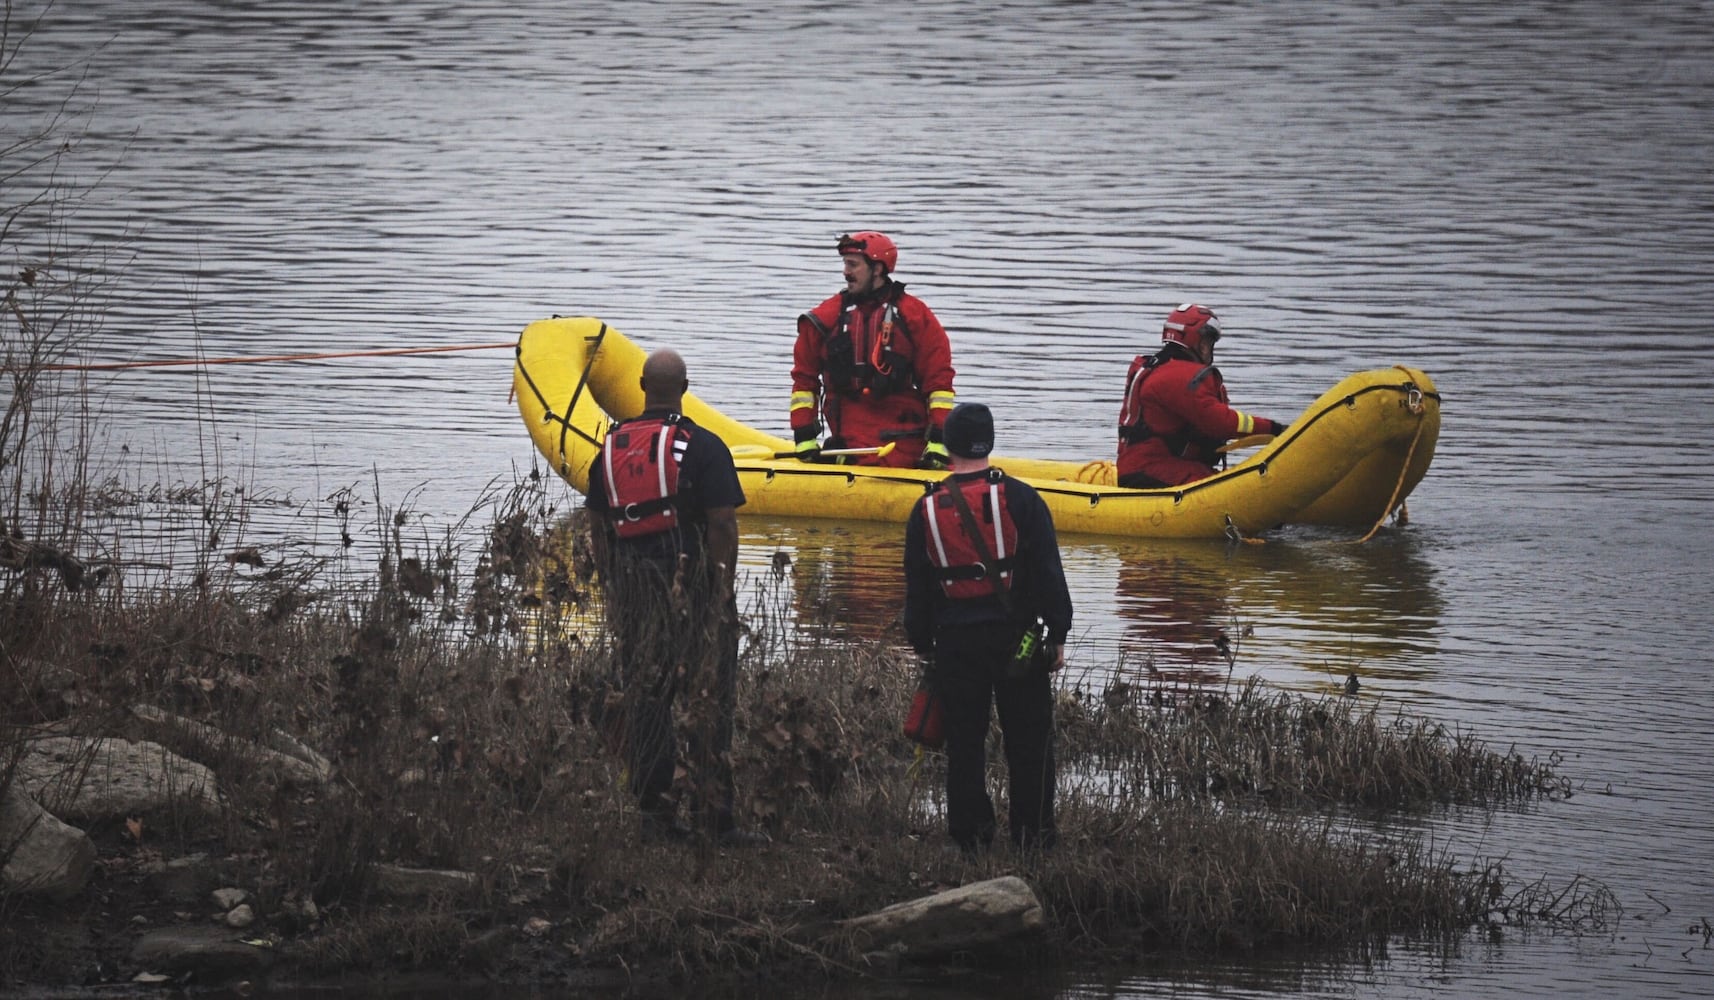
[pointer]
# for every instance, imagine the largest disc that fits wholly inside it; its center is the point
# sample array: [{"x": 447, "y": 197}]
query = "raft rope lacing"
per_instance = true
[
  {"x": 1413, "y": 404},
  {"x": 548, "y": 415}
]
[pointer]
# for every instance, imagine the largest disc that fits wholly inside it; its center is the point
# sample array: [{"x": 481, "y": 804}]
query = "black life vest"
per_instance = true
[
  {"x": 958, "y": 560},
  {"x": 880, "y": 370},
  {"x": 641, "y": 459}
]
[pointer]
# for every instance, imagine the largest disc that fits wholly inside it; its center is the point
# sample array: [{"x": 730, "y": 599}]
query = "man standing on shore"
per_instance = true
[
  {"x": 982, "y": 575},
  {"x": 665, "y": 495}
]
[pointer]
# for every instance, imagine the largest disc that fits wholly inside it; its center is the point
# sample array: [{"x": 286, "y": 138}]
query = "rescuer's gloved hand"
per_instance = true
[
  {"x": 1279, "y": 427},
  {"x": 934, "y": 456},
  {"x": 808, "y": 444}
]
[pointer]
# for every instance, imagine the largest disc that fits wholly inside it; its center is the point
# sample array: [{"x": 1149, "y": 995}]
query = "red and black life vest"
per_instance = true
[
  {"x": 1134, "y": 426},
  {"x": 858, "y": 356},
  {"x": 956, "y": 556},
  {"x": 641, "y": 459}
]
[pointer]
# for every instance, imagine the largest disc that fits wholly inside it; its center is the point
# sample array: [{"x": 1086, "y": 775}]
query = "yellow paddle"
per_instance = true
[
  {"x": 1238, "y": 444},
  {"x": 763, "y": 451}
]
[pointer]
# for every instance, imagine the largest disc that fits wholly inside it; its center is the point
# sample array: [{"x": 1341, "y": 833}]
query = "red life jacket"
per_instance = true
[
  {"x": 1132, "y": 428},
  {"x": 1135, "y": 427},
  {"x": 641, "y": 459},
  {"x": 963, "y": 576}
]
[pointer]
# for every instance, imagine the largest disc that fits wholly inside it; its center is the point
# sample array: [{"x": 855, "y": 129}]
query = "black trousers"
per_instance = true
[
  {"x": 970, "y": 668},
  {"x": 675, "y": 645}
]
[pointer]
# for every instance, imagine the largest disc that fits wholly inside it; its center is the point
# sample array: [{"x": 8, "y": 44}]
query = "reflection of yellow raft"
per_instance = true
[{"x": 1349, "y": 459}]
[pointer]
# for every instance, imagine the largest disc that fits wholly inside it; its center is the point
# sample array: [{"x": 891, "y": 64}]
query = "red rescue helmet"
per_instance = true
[
  {"x": 871, "y": 246},
  {"x": 1191, "y": 325}
]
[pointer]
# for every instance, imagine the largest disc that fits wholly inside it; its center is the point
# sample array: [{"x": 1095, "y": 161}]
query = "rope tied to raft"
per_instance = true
[
  {"x": 1234, "y": 535},
  {"x": 1414, "y": 405},
  {"x": 259, "y": 359}
]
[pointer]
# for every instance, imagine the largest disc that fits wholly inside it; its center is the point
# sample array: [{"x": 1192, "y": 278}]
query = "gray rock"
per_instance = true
[
  {"x": 209, "y": 952},
  {"x": 184, "y": 882},
  {"x": 158, "y": 865},
  {"x": 211, "y": 745},
  {"x": 42, "y": 854},
  {"x": 974, "y": 917},
  {"x": 85, "y": 779},
  {"x": 290, "y": 745},
  {"x": 226, "y": 899},
  {"x": 424, "y": 883},
  {"x": 301, "y": 909}
]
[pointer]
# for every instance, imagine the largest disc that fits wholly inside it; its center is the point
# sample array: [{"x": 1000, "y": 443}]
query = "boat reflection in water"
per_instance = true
[
  {"x": 1305, "y": 610},
  {"x": 846, "y": 577}
]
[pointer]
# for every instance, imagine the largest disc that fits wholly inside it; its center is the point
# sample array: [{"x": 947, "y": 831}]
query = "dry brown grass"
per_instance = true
[
  {"x": 457, "y": 704},
  {"x": 1179, "y": 743}
]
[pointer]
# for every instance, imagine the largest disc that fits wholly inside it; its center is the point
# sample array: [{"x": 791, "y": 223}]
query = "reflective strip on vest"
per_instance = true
[
  {"x": 643, "y": 480},
  {"x": 1128, "y": 418}
]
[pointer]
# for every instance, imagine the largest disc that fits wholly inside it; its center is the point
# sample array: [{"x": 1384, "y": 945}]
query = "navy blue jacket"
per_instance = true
[{"x": 1038, "y": 588}]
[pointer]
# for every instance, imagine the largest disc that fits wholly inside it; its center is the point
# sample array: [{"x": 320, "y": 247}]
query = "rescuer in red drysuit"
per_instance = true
[
  {"x": 1175, "y": 414},
  {"x": 873, "y": 364}
]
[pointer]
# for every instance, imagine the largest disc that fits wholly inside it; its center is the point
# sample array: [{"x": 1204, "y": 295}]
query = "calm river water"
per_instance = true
[{"x": 1515, "y": 197}]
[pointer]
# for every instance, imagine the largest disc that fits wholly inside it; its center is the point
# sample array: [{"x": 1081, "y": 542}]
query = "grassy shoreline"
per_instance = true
[{"x": 455, "y": 696}]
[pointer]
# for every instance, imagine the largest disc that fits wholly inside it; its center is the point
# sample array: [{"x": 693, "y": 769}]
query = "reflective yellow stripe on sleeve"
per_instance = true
[
  {"x": 941, "y": 400},
  {"x": 802, "y": 400},
  {"x": 1246, "y": 423}
]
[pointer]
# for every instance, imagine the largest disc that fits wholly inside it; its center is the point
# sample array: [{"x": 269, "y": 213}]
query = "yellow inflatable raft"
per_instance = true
[{"x": 1350, "y": 459}]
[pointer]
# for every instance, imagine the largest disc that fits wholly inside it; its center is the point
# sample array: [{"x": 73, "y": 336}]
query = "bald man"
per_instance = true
[
  {"x": 664, "y": 497},
  {"x": 703, "y": 469}
]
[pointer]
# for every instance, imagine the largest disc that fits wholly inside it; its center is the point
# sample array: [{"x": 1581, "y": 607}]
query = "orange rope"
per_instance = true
[
  {"x": 1404, "y": 470},
  {"x": 1413, "y": 402},
  {"x": 118, "y": 365}
]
